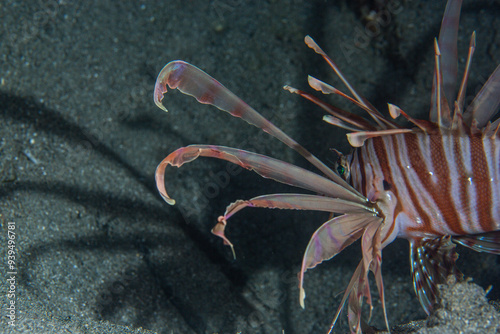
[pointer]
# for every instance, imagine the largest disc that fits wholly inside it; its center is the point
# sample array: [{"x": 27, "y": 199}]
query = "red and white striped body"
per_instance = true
[{"x": 441, "y": 184}]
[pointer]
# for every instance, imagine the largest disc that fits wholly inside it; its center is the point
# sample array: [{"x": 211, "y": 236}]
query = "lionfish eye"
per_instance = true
[
  {"x": 341, "y": 170},
  {"x": 342, "y": 166}
]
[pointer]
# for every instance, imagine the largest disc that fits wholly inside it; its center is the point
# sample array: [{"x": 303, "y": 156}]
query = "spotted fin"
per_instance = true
[{"x": 432, "y": 261}]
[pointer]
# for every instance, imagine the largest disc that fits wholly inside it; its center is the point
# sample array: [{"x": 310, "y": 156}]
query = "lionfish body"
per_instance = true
[
  {"x": 445, "y": 183},
  {"x": 436, "y": 183}
]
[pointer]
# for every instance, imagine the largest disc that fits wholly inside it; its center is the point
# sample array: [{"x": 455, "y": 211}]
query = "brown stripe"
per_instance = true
[
  {"x": 414, "y": 149},
  {"x": 444, "y": 199},
  {"x": 411, "y": 146},
  {"x": 480, "y": 175},
  {"x": 440, "y": 192},
  {"x": 383, "y": 160},
  {"x": 462, "y": 181},
  {"x": 362, "y": 172},
  {"x": 381, "y": 149}
]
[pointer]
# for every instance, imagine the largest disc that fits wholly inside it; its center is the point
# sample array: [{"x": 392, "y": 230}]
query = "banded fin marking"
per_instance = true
[
  {"x": 432, "y": 261},
  {"x": 484, "y": 242}
]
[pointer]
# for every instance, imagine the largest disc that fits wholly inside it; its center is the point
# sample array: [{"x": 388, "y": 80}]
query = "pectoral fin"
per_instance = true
[{"x": 432, "y": 261}]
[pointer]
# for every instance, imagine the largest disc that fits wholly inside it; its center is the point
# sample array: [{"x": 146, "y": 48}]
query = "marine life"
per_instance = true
[{"x": 435, "y": 183}]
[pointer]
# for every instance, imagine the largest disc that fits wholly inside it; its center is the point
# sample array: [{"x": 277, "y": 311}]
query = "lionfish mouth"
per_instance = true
[{"x": 355, "y": 214}]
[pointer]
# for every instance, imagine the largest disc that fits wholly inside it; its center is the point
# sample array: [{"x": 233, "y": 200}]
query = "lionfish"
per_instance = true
[{"x": 435, "y": 183}]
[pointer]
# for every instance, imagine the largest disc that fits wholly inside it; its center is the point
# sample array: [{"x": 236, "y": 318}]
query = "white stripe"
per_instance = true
[
  {"x": 410, "y": 171},
  {"x": 492, "y": 149},
  {"x": 472, "y": 226},
  {"x": 454, "y": 175}
]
